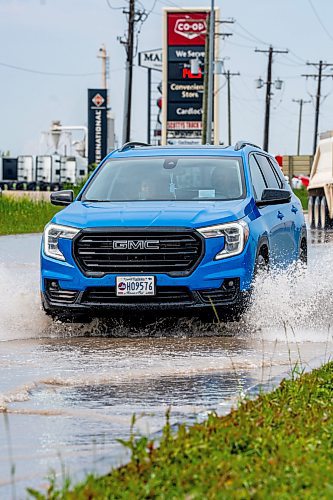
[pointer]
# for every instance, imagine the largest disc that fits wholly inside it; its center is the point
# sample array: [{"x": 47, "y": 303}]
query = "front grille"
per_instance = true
[
  {"x": 59, "y": 295},
  {"x": 164, "y": 295},
  {"x": 177, "y": 252},
  {"x": 227, "y": 293}
]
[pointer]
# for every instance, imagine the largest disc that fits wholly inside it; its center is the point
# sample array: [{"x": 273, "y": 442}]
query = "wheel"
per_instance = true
[
  {"x": 316, "y": 212},
  {"x": 232, "y": 313},
  {"x": 303, "y": 252},
  {"x": 324, "y": 219},
  {"x": 310, "y": 212},
  {"x": 65, "y": 317},
  {"x": 262, "y": 262}
]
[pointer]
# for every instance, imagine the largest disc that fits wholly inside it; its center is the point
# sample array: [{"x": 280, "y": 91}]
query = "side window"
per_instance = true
[
  {"x": 268, "y": 172},
  {"x": 278, "y": 172},
  {"x": 258, "y": 181}
]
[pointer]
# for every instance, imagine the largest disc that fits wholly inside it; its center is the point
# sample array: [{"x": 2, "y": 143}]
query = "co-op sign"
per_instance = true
[
  {"x": 185, "y": 39},
  {"x": 190, "y": 28},
  {"x": 97, "y": 125}
]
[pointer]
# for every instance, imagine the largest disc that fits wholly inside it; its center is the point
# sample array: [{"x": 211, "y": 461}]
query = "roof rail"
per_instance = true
[
  {"x": 132, "y": 145},
  {"x": 241, "y": 144}
]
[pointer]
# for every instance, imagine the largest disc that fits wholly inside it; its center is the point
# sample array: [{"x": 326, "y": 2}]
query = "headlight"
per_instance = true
[
  {"x": 52, "y": 234},
  {"x": 235, "y": 237}
]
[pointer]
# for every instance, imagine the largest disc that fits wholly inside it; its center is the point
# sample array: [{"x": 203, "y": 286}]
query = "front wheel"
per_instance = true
[
  {"x": 65, "y": 316},
  {"x": 303, "y": 252}
]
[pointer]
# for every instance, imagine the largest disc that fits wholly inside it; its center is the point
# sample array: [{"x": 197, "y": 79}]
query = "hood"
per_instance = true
[{"x": 152, "y": 214}]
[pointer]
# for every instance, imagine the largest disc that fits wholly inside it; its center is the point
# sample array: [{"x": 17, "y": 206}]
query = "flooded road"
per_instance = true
[{"x": 70, "y": 391}]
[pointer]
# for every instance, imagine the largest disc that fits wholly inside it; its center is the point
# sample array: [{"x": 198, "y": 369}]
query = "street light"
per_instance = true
[
  {"x": 259, "y": 83},
  {"x": 278, "y": 84}
]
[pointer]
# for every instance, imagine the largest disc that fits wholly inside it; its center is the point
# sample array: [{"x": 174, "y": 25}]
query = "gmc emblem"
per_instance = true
[
  {"x": 190, "y": 28},
  {"x": 135, "y": 245}
]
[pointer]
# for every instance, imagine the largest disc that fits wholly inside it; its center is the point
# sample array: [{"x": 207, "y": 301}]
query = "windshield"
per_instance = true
[{"x": 168, "y": 178}]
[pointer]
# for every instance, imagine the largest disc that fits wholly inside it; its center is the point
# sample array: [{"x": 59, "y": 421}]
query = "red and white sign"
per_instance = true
[
  {"x": 98, "y": 100},
  {"x": 187, "y": 29},
  {"x": 184, "y": 125}
]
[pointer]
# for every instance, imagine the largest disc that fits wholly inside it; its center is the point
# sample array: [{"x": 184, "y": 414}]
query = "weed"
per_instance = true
[{"x": 279, "y": 445}]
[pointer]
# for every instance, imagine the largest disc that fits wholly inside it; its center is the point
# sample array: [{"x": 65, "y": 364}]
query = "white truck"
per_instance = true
[
  {"x": 320, "y": 187},
  {"x": 43, "y": 172}
]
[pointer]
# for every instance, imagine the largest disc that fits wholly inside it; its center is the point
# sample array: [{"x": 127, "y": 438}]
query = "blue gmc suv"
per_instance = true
[{"x": 169, "y": 228}]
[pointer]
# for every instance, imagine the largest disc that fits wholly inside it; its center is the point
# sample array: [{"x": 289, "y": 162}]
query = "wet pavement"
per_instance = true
[{"x": 70, "y": 391}]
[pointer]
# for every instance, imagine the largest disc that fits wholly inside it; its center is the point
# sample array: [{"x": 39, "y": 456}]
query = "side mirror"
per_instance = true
[
  {"x": 62, "y": 198},
  {"x": 274, "y": 197}
]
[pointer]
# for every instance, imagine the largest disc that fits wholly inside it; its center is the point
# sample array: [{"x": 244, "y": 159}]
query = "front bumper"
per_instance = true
[
  {"x": 101, "y": 301},
  {"x": 208, "y": 284}
]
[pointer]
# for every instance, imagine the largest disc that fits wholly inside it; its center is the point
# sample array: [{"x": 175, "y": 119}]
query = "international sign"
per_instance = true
[
  {"x": 151, "y": 59},
  {"x": 183, "y": 90},
  {"x": 97, "y": 125}
]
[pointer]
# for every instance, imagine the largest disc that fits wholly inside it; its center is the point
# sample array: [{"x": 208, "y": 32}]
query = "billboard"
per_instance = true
[
  {"x": 185, "y": 35},
  {"x": 97, "y": 125}
]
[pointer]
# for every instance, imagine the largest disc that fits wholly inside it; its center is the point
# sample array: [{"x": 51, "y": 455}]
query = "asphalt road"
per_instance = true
[{"x": 70, "y": 391}]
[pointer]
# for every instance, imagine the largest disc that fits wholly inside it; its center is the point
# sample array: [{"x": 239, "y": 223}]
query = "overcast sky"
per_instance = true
[{"x": 63, "y": 37}]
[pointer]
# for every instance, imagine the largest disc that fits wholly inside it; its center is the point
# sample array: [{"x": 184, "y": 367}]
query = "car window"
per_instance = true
[
  {"x": 258, "y": 181},
  {"x": 278, "y": 172},
  {"x": 267, "y": 171},
  {"x": 168, "y": 178}
]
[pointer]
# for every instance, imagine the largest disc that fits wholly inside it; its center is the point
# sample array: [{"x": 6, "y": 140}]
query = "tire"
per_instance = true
[
  {"x": 324, "y": 218},
  {"x": 65, "y": 317},
  {"x": 262, "y": 262},
  {"x": 232, "y": 313},
  {"x": 310, "y": 212},
  {"x": 316, "y": 212},
  {"x": 303, "y": 252}
]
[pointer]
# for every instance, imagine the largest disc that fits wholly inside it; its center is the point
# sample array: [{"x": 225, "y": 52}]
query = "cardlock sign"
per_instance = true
[
  {"x": 97, "y": 125},
  {"x": 184, "y": 41}
]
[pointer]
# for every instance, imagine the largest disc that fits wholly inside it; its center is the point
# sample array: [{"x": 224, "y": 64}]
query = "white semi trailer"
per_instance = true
[
  {"x": 43, "y": 172},
  {"x": 320, "y": 187}
]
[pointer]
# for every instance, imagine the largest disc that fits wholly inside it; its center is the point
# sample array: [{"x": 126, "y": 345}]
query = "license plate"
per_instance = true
[{"x": 135, "y": 285}]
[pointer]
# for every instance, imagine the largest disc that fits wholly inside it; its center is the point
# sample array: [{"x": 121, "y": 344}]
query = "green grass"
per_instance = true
[
  {"x": 277, "y": 446},
  {"x": 302, "y": 194},
  {"x": 24, "y": 215}
]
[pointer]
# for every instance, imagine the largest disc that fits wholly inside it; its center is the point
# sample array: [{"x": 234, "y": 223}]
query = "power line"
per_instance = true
[
  {"x": 47, "y": 73},
  {"x": 112, "y": 6},
  {"x": 319, "y": 76},
  {"x": 228, "y": 76},
  {"x": 134, "y": 17},
  {"x": 319, "y": 20},
  {"x": 301, "y": 102},
  {"x": 268, "y": 84}
]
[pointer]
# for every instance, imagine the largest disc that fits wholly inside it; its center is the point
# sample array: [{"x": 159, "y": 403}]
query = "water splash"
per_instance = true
[{"x": 295, "y": 304}]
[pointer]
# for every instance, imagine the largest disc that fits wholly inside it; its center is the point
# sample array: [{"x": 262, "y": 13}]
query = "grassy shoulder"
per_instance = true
[
  {"x": 23, "y": 215},
  {"x": 277, "y": 446},
  {"x": 302, "y": 194}
]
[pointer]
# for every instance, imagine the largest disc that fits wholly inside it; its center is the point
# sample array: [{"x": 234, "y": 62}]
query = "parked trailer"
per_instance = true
[
  {"x": 41, "y": 173},
  {"x": 320, "y": 187}
]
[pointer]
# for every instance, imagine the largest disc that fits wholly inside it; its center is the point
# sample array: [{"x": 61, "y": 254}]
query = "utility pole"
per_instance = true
[
  {"x": 209, "y": 71},
  {"x": 228, "y": 76},
  {"x": 102, "y": 54},
  {"x": 268, "y": 84},
  {"x": 321, "y": 67},
  {"x": 301, "y": 102},
  {"x": 210, "y": 79},
  {"x": 129, "y": 45}
]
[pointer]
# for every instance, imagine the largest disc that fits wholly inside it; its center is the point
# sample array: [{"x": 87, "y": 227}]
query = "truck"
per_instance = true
[
  {"x": 320, "y": 188},
  {"x": 42, "y": 172}
]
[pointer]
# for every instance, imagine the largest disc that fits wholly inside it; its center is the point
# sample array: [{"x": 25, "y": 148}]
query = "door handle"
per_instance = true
[
  {"x": 280, "y": 215},
  {"x": 294, "y": 209}
]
